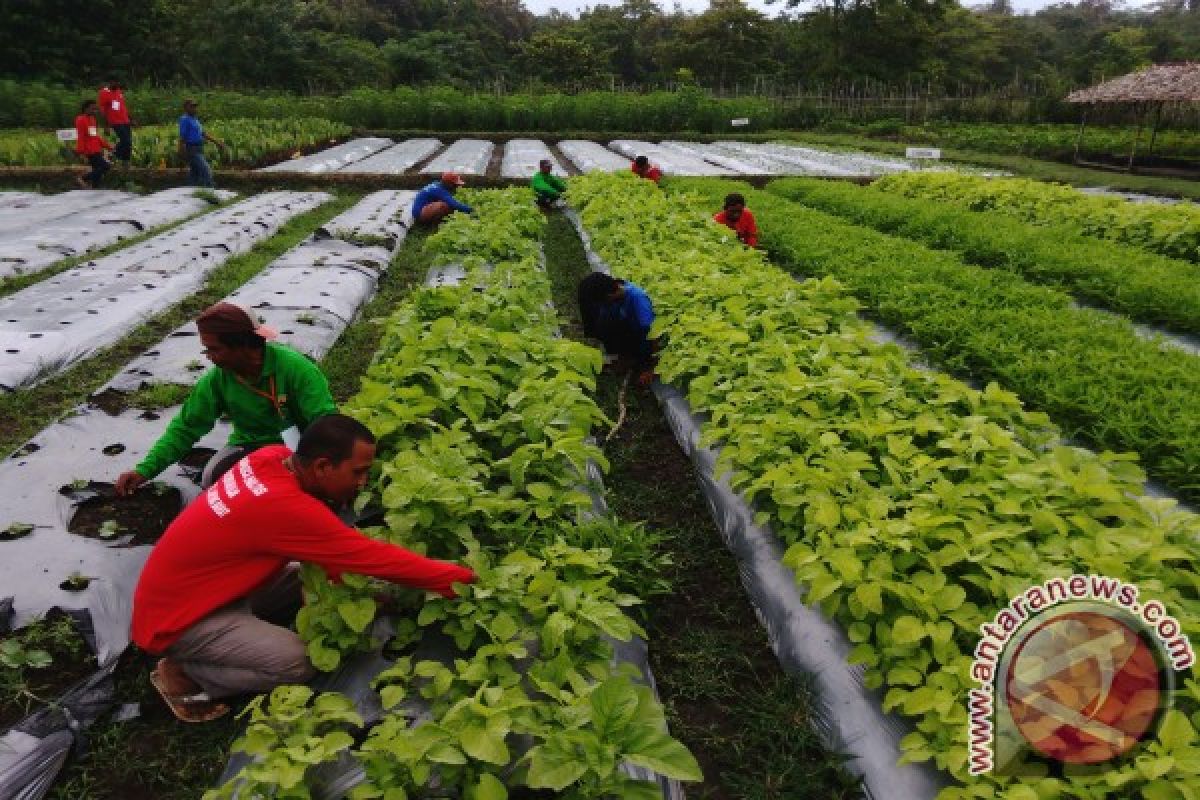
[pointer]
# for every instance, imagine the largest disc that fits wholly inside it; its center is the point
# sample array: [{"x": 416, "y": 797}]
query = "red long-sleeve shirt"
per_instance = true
[
  {"x": 745, "y": 228},
  {"x": 652, "y": 173},
  {"x": 88, "y": 141},
  {"x": 242, "y": 532},
  {"x": 112, "y": 105}
]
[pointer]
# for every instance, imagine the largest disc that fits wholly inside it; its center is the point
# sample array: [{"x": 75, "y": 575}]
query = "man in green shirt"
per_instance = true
[
  {"x": 270, "y": 392},
  {"x": 547, "y": 188}
]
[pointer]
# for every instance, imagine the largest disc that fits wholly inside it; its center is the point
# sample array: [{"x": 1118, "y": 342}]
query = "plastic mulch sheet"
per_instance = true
[
  {"x": 522, "y": 158},
  {"x": 308, "y": 295},
  {"x": 35, "y": 489},
  {"x": 672, "y": 162},
  {"x": 590, "y": 156},
  {"x": 50, "y": 325},
  {"x": 36, "y": 249},
  {"x": 396, "y": 160},
  {"x": 30, "y": 212},
  {"x": 386, "y": 214},
  {"x": 466, "y": 157},
  {"x": 334, "y": 158},
  {"x": 714, "y": 155}
]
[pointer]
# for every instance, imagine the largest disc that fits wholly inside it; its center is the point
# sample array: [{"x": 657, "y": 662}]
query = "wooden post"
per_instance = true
[
  {"x": 1154, "y": 130},
  {"x": 1079, "y": 138},
  {"x": 1136, "y": 137}
]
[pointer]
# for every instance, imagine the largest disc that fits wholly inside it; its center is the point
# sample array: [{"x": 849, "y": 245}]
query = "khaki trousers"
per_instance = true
[{"x": 238, "y": 649}]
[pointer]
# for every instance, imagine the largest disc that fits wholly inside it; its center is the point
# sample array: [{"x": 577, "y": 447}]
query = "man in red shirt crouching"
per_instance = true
[
  {"x": 90, "y": 145},
  {"x": 738, "y": 218},
  {"x": 221, "y": 570}
]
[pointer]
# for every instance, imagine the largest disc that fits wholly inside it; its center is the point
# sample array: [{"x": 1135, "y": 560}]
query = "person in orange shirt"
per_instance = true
[
  {"x": 738, "y": 218},
  {"x": 642, "y": 167},
  {"x": 89, "y": 145}
]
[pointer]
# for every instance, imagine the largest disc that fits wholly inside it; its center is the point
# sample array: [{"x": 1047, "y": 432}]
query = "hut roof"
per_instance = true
[{"x": 1172, "y": 83}]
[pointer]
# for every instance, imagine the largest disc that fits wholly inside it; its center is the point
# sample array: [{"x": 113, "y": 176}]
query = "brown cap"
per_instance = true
[{"x": 225, "y": 318}]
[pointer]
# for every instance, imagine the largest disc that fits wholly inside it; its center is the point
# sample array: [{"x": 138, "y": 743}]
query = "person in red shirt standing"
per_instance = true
[
  {"x": 218, "y": 581},
  {"x": 739, "y": 219},
  {"x": 642, "y": 167},
  {"x": 89, "y": 145},
  {"x": 116, "y": 116}
]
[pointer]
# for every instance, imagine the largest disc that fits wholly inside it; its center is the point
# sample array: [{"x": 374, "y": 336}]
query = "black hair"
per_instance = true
[
  {"x": 86, "y": 103},
  {"x": 734, "y": 199},
  {"x": 641, "y": 161},
  {"x": 594, "y": 291},
  {"x": 333, "y": 437},
  {"x": 242, "y": 340}
]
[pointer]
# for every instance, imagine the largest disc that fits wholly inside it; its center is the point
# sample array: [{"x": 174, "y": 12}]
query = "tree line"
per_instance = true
[{"x": 334, "y": 45}]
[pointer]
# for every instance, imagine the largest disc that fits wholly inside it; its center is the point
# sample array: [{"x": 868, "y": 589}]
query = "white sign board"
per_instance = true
[
  {"x": 923, "y": 152},
  {"x": 739, "y": 122},
  {"x": 67, "y": 135}
]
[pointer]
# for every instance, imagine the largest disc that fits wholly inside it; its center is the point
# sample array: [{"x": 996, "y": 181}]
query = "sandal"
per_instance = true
[{"x": 187, "y": 707}]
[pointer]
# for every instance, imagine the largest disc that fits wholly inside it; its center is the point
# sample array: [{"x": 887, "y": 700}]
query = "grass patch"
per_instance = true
[
  {"x": 1019, "y": 165},
  {"x": 727, "y": 698},
  {"x": 23, "y": 413},
  {"x": 347, "y": 361},
  {"x": 18, "y": 282}
]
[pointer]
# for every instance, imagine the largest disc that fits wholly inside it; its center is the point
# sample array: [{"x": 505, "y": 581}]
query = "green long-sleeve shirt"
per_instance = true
[
  {"x": 548, "y": 186},
  {"x": 300, "y": 388}
]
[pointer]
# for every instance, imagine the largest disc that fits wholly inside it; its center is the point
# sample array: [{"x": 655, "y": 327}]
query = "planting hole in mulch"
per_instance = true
[
  {"x": 138, "y": 519},
  {"x": 28, "y": 681},
  {"x": 195, "y": 461}
]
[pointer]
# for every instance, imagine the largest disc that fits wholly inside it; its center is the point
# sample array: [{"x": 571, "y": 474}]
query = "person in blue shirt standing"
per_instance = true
[
  {"x": 619, "y": 313},
  {"x": 191, "y": 146},
  {"x": 436, "y": 201}
]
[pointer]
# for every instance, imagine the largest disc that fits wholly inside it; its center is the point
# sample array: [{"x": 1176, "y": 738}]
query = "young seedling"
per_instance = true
[
  {"x": 195, "y": 365},
  {"x": 109, "y": 528},
  {"x": 16, "y": 530},
  {"x": 75, "y": 582},
  {"x": 306, "y": 318}
]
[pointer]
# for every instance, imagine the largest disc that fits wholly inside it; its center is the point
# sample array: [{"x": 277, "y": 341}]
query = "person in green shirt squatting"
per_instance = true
[
  {"x": 269, "y": 392},
  {"x": 547, "y": 189}
]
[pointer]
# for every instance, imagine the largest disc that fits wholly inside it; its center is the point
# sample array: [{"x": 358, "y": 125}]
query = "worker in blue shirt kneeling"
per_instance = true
[
  {"x": 436, "y": 201},
  {"x": 619, "y": 313}
]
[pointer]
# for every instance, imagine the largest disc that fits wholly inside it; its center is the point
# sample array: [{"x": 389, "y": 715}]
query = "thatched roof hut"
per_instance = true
[
  {"x": 1150, "y": 88},
  {"x": 1161, "y": 83}
]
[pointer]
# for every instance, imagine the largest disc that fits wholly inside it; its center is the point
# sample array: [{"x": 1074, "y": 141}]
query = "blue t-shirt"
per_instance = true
[
  {"x": 190, "y": 130},
  {"x": 635, "y": 307},
  {"x": 431, "y": 194}
]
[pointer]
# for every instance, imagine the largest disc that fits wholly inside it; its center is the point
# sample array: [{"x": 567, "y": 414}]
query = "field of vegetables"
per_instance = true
[
  {"x": 916, "y": 400},
  {"x": 249, "y": 142}
]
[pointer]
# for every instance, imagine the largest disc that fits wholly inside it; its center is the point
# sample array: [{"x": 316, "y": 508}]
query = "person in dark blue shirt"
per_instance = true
[
  {"x": 436, "y": 201},
  {"x": 619, "y": 313},
  {"x": 191, "y": 146}
]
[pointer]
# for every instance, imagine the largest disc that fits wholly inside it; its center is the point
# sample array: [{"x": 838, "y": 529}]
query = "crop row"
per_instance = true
[
  {"x": 1147, "y": 287},
  {"x": 1088, "y": 370},
  {"x": 913, "y": 506},
  {"x": 249, "y": 141},
  {"x": 1171, "y": 230},
  {"x": 483, "y": 415}
]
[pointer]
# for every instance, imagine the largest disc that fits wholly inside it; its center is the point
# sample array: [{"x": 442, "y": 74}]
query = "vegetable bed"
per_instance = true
[
  {"x": 1170, "y": 230},
  {"x": 482, "y": 415},
  {"x": 1088, "y": 370},
  {"x": 912, "y": 505},
  {"x": 1145, "y": 286}
]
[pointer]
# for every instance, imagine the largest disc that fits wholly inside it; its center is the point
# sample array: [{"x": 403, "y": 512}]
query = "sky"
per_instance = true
[{"x": 574, "y": 6}]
